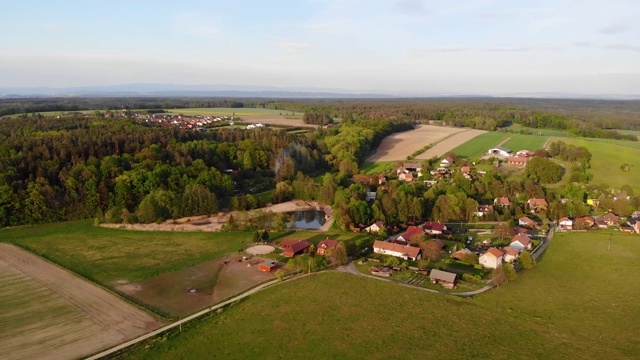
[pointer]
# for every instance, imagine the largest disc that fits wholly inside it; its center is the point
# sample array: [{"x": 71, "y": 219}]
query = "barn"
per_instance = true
[
  {"x": 267, "y": 266},
  {"x": 501, "y": 151}
]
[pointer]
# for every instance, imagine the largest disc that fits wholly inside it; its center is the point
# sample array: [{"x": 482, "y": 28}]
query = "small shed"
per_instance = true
[
  {"x": 267, "y": 266},
  {"x": 444, "y": 278}
]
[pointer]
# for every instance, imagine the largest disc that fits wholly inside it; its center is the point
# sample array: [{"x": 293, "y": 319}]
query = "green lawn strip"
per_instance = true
[
  {"x": 480, "y": 144},
  {"x": 519, "y": 142},
  {"x": 373, "y": 168}
]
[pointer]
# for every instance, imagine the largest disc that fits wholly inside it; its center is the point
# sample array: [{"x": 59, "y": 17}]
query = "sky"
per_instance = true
[{"x": 410, "y": 47}]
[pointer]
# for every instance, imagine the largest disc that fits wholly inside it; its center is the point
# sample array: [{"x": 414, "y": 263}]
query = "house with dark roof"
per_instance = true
[
  {"x": 324, "y": 246},
  {"x": 500, "y": 151},
  {"x": 267, "y": 266},
  {"x": 610, "y": 219},
  {"x": 406, "y": 252},
  {"x": 444, "y": 278},
  {"x": 526, "y": 221},
  {"x": 434, "y": 228},
  {"x": 292, "y": 247},
  {"x": 460, "y": 254}
]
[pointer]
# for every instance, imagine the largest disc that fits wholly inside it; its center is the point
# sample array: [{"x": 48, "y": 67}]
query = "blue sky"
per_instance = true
[{"x": 395, "y": 46}]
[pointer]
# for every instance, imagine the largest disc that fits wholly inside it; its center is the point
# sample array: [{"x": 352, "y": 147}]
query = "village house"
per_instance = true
[
  {"x": 491, "y": 259},
  {"x": 500, "y": 151},
  {"x": 459, "y": 255},
  {"x": 525, "y": 221},
  {"x": 406, "y": 252},
  {"x": 521, "y": 242},
  {"x": 636, "y": 227},
  {"x": 292, "y": 247},
  {"x": 446, "y": 162},
  {"x": 610, "y": 219},
  {"x": 444, "y": 278},
  {"x": 375, "y": 227},
  {"x": 522, "y": 231},
  {"x": 627, "y": 229},
  {"x": 325, "y": 246},
  {"x": 584, "y": 222},
  {"x": 434, "y": 228},
  {"x": 518, "y": 160},
  {"x": 412, "y": 232},
  {"x": 382, "y": 179},
  {"x": 502, "y": 201},
  {"x": 621, "y": 196},
  {"x": 565, "y": 223},
  {"x": 407, "y": 177},
  {"x": 537, "y": 205},
  {"x": 465, "y": 169},
  {"x": 484, "y": 210},
  {"x": 409, "y": 168},
  {"x": 510, "y": 254}
]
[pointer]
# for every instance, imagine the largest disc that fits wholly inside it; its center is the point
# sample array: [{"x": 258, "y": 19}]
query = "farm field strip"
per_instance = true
[
  {"x": 46, "y": 310},
  {"x": 450, "y": 143},
  {"x": 519, "y": 142},
  {"x": 479, "y": 145},
  {"x": 400, "y": 145}
]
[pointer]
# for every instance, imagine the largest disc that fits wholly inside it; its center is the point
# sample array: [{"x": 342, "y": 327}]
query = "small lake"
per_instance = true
[{"x": 308, "y": 219}]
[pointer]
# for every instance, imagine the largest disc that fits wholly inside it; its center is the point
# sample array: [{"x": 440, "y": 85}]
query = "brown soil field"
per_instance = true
[
  {"x": 273, "y": 120},
  {"x": 213, "y": 281},
  {"x": 49, "y": 312},
  {"x": 449, "y": 144},
  {"x": 400, "y": 145},
  {"x": 214, "y": 223}
]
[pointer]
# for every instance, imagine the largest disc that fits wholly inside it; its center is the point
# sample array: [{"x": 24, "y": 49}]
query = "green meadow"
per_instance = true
[
  {"x": 479, "y": 145},
  {"x": 373, "y": 168},
  {"x": 579, "y": 302},
  {"x": 519, "y": 142},
  {"x": 606, "y": 162}
]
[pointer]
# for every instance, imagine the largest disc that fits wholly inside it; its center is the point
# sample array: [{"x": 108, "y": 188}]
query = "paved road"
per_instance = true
[{"x": 539, "y": 251}]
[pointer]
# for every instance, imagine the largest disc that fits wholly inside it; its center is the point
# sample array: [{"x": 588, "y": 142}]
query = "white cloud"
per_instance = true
[{"x": 613, "y": 29}]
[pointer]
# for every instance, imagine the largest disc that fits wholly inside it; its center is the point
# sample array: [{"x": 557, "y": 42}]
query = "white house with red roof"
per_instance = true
[
  {"x": 491, "y": 259},
  {"x": 510, "y": 254},
  {"x": 502, "y": 201},
  {"x": 434, "y": 228},
  {"x": 406, "y": 252},
  {"x": 375, "y": 227},
  {"x": 412, "y": 232},
  {"x": 565, "y": 223},
  {"x": 521, "y": 242},
  {"x": 526, "y": 221}
]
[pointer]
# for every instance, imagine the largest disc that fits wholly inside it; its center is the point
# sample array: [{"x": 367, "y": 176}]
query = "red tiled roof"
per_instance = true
[
  {"x": 523, "y": 239},
  {"x": 537, "y": 202},
  {"x": 495, "y": 252},
  {"x": 412, "y": 231},
  {"x": 510, "y": 251},
  {"x": 432, "y": 225},
  {"x": 407, "y": 250},
  {"x": 465, "y": 169},
  {"x": 503, "y": 201},
  {"x": 327, "y": 244}
]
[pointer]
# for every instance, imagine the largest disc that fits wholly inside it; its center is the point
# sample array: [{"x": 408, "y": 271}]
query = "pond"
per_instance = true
[{"x": 308, "y": 219}]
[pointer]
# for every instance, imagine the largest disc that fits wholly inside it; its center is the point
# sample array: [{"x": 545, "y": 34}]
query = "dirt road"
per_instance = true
[{"x": 114, "y": 320}]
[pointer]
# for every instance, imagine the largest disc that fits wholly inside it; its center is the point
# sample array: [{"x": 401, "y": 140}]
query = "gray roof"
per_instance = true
[
  {"x": 503, "y": 149},
  {"x": 442, "y": 275}
]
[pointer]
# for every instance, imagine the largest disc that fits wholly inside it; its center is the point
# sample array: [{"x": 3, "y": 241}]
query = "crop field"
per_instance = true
[
  {"x": 606, "y": 163},
  {"x": 479, "y": 145},
  {"x": 573, "y": 304},
  {"x": 400, "y": 145},
  {"x": 446, "y": 145},
  {"x": 47, "y": 312}
]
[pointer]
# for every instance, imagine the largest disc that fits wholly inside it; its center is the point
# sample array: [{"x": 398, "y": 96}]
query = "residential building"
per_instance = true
[
  {"x": 584, "y": 222},
  {"x": 510, "y": 254},
  {"x": 500, "y": 151},
  {"x": 325, "y": 246},
  {"x": 434, "y": 228},
  {"x": 459, "y": 255},
  {"x": 518, "y": 160},
  {"x": 537, "y": 205},
  {"x": 610, "y": 219},
  {"x": 526, "y": 221},
  {"x": 484, "y": 210},
  {"x": 406, "y": 252},
  {"x": 502, "y": 201},
  {"x": 412, "y": 232},
  {"x": 565, "y": 223},
  {"x": 375, "y": 227},
  {"x": 521, "y": 242},
  {"x": 491, "y": 259}
]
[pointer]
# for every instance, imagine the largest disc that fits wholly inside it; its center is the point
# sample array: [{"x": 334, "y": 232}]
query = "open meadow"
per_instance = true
[
  {"x": 400, "y": 145},
  {"x": 519, "y": 142},
  {"x": 606, "y": 162},
  {"x": 48, "y": 312},
  {"x": 580, "y": 301}
]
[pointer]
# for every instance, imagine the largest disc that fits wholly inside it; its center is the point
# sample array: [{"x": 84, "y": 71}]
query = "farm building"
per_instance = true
[
  {"x": 267, "y": 266},
  {"x": 446, "y": 162},
  {"x": 324, "y": 246},
  {"x": 518, "y": 160},
  {"x": 444, "y": 278},
  {"x": 409, "y": 168},
  {"x": 501, "y": 151},
  {"x": 610, "y": 219},
  {"x": 524, "y": 153},
  {"x": 406, "y": 252},
  {"x": 292, "y": 247},
  {"x": 491, "y": 259}
]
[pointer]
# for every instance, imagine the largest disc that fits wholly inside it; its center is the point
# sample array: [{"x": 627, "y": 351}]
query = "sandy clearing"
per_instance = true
[
  {"x": 400, "y": 145},
  {"x": 449, "y": 144},
  {"x": 214, "y": 223},
  {"x": 273, "y": 120},
  {"x": 112, "y": 319}
]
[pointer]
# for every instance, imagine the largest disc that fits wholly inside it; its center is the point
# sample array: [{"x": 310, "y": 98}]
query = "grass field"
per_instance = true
[
  {"x": 539, "y": 132},
  {"x": 235, "y": 112},
  {"x": 480, "y": 144},
  {"x": 606, "y": 161},
  {"x": 519, "y": 142},
  {"x": 106, "y": 255},
  {"x": 580, "y": 302}
]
